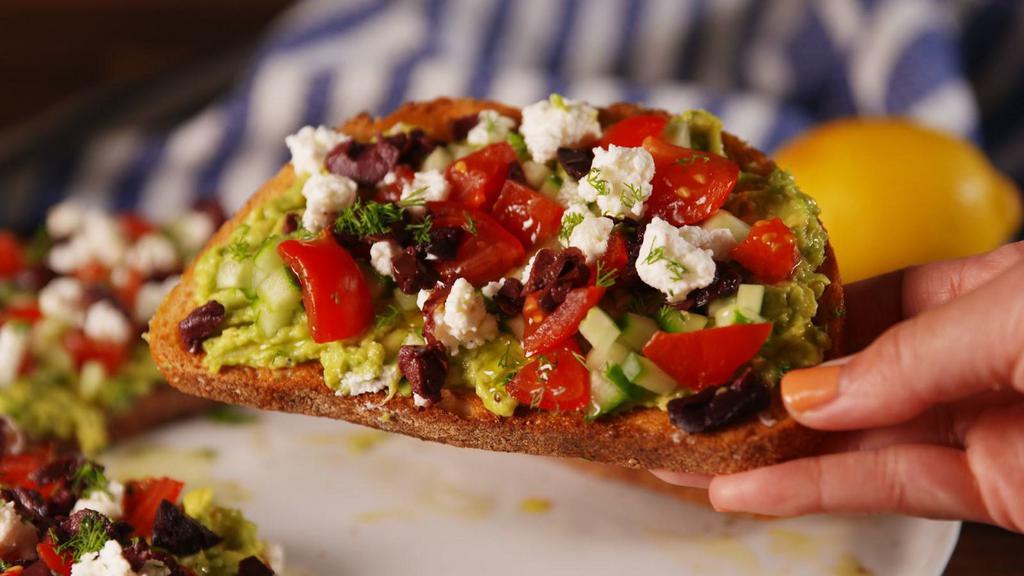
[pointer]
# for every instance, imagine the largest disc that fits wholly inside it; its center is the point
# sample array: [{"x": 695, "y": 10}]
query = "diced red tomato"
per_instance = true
[
  {"x": 689, "y": 185},
  {"x": 632, "y": 131},
  {"x": 59, "y": 563},
  {"x": 142, "y": 498},
  {"x": 615, "y": 257},
  {"x": 13, "y": 571},
  {"x": 16, "y": 468},
  {"x": 769, "y": 251},
  {"x": 334, "y": 292},
  {"x": 486, "y": 252},
  {"x": 393, "y": 192},
  {"x": 12, "y": 257},
  {"x": 531, "y": 217},
  {"x": 83, "y": 349},
  {"x": 22, "y": 312},
  {"x": 92, "y": 273},
  {"x": 134, "y": 226},
  {"x": 554, "y": 381},
  {"x": 559, "y": 326},
  {"x": 705, "y": 358},
  {"x": 476, "y": 179}
]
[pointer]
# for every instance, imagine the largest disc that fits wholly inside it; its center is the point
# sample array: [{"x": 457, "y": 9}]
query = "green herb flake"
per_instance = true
[
  {"x": 368, "y": 218},
  {"x": 91, "y": 537},
  {"x": 569, "y": 223},
  {"x": 88, "y": 478},
  {"x": 605, "y": 278},
  {"x": 421, "y": 232}
]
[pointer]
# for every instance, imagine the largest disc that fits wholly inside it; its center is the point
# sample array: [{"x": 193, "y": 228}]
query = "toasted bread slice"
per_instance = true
[
  {"x": 642, "y": 438},
  {"x": 162, "y": 406}
]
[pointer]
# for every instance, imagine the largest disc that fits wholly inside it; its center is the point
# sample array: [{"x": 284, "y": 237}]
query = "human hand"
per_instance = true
[{"x": 930, "y": 410}]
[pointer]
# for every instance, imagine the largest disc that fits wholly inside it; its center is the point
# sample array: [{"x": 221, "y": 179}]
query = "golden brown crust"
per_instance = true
[
  {"x": 638, "y": 439},
  {"x": 162, "y": 406}
]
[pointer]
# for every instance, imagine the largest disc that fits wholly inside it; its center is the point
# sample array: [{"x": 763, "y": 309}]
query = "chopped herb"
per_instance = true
[
  {"x": 91, "y": 537},
  {"x": 417, "y": 197},
  {"x": 605, "y": 278},
  {"x": 558, "y": 101},
  {"x": 596, "y": 182},
  {"x": 658, "y": 255},
  {"x": 388, "y": 317},
  {"x": 632, "y": 196},
  {"x": 89, "y": 478},
  {"x": 239, "y": 249},
  {"x": 691, "y": 159},
  {"x": 579, "y": 358},
  {"x": 470, "y": 223},
  {"x": 569, "y": 223},
  {"x": 368, "y": 218},
  {"x": 506, "y": 360},
  {"x": 518, "y": 143},
  {"x": 421, "y": 232}
]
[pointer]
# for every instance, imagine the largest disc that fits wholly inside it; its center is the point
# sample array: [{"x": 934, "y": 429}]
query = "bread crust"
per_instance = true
[
  {"x": 161, "y": 406},
  {"x": 642, "y": 438}
]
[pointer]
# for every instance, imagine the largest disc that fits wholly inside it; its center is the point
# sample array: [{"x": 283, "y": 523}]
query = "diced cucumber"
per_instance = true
[
  {"x": 600, "y": 360},
  {"x": 392, "y": 341},
  {"x": 636, "y": 331},
  {"x": 536, "y": 174},
  {"x": 267, "y": 261},
  {"x": 279, "y": 298},
  {"x": 724, "y": 220},
  {"x": 599, "y": 329},
  {"x": 234, "y": 273},
  {"x": 730, "y": 315},
  {"x": 672, "y": 320},
  {"x": 270, "y": 320},
  {"x": 749, "y": 297},
  {"x": 438, "y": 160},
  {"x": 405, "y": 301},
  {"x": 459, "y": 151},
  {"x": 605, "y": 395},
  {"x": 552, "y": 186},
  {"x": 644, "y": 373}
]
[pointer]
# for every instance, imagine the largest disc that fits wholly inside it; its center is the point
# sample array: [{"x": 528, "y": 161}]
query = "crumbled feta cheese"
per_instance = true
[
  {"x": 381, "y": 255},
  {"x": 63, "y": 299},
  {"x": 109, "y": 561},
  {"x": 17, "y": 538},
  {"x": 150, "y": 295},
  {"x": 310, "y": 146},
  {"x": 569, "y": 193},
  {"x": 326, "y": 195},
  {"x": 668, "y": 262},
  {"x": 556, "y": 122},
  {"x": 104, "y": 322},
  {"x": 356, "y": 382},
  {"x": 619, "y": 181},
  {"x": 420, "y": 401},
  {"x": 64, "y": 219},
  {"x": 581, "y": 229},
  {"x": 427, "y": 186},
  {"x": 14, "y": 338},
  {"x": 524, "y": 274},
  {"x": 492, "y": 288},
  {"x": 107, "y": 502},
  {"x": 153, "y": 254},
  {"x": 98, "y": 239},
  {"x": 720, "y": 241},
  {"x": 463, "y": 319},
  {"x": 421, "y": 298},
  {"x": 491, "y": 127},
  {"x": 193, "y": 230}
]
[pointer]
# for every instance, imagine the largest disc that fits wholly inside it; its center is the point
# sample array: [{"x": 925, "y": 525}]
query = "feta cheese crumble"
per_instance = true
[
  {"x": 326, "y": 195},
  {"x": 193, "y": 230},
  {"x": 619, "y": 181},
  {"x": 17, "y": 538},
  {"x": 427, "y": 186},
  {"x": 356, "y": 382},
  {"x": 556, "y": 122},
  {"x": 150, "y": 295},
  {"x": 98, "y": 239},
  {"x": 64, "y": 219},
  {"x": 463, "y": 319},
  {"x": 668, "y": 262},
  {"x": 104, "y": 322},
  {"x": 310, "y": 146},
  {"x": 63, "y": 299},
  {"x": 491, "y": 127},
  {"x": 719, "y": 241},
  {"x": 107, "y": 501},
  {"x": 491, "y": 289},
  {"x": 152, "y": 254},
  {"x": 381, "y": 255},
  {"x": 13, "y": 347},
  {"x": 109, "y": 561},
  {"x": 582, "y": 229}
]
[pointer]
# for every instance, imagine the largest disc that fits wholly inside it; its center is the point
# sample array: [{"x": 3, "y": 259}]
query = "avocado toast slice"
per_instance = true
[{"x": 275, "y": 374}]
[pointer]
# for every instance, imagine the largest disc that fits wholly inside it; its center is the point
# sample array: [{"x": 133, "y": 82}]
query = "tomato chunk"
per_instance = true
[
  {"x": 530, "y": 216},
  {"x": 486, "y": 252},
  {"x": 142, "y": 498},
  {"x": 12, "y": 257},
  {"x": 59, "y": 563},
  {"x": 559, "y": 326},
  {"x": 632, "y": 131},
  {"x": 84, "y": 349},
  {"x": 476, "y": 179},
  {"x": 134, "y": 226},
  {"x": 16, "y": 468},
  {"x": 334, "y": 292},
  {"x": 615, "y": 258},
  {"x": 554, "y": 381},
  {"x": 26, "y": 312},
  {"x": 705, "y": 358},
  {"x": 689, "y": 186},
  {"x": 769, "y": 251}
]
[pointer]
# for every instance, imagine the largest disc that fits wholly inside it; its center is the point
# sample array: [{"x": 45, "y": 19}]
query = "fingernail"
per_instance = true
[{"x": 805, "y": 390}]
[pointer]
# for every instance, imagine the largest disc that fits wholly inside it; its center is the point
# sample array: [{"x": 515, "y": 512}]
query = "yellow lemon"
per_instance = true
[{"x": 893, "y": 194}]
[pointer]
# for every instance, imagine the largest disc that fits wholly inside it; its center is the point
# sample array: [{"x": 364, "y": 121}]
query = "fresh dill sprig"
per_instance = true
[
  {"x": 470, "y": 223},
  {"x": 605, "y": 278},
  {"x": 368, "y": 218},
  {"x": 91, "y": 537},
  {"x": 417, "y": 197},
  {"x": 569, "y": 223},
  {"x": 89, "y": 478},
  {"x": 518, "y": 143},
  {"x": 239, "y": 249},
  {"x": 579, "y": 358},
  {"x": 677, "y": 269},
  {"x": 596, "y": 182},
  {"x": 632, "y": 195},
  {"x": 421, "y": 232},
  {"x": 388, "y": 317}
]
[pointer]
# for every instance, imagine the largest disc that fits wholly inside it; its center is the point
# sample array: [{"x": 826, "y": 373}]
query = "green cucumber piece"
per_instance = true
[
  {"x": 605, "y": 396},
  {"x": 749, "y": 297},
  {"x": 438, "y": 160},
  {"x": 646, "y": 374},
  {"x": 278, "y": 299},
  {"x": 672, "y": 320},
  {"x": 552, "y": 186},
  {"x": 267, "y": 261},
  {"x": 743, "y": 308},
  {"x": 599, "y": 329},
  {"x": 536, "y": 174},
  {"x": 724, "y": 220},
  {"x": 405, "y": 301},
  {"x": 600, "y": 359},
  {"x": 234, "y": 273},
  {"x": 636, "y": 331}
]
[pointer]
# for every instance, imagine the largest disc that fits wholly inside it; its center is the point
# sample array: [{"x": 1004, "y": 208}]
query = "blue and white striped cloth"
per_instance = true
[{"x": 769, "y": 68}]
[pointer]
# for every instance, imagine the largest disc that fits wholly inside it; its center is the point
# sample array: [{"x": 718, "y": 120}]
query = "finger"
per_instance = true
[
  {"x": 970, "y": 345},
  {"x": 930, "y": 481},
  {"x": 683, "y": 479},
  {"x": 875, "y": 304}
]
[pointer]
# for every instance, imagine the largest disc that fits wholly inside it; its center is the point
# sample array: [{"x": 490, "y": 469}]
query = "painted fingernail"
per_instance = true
[{"x": 804, "y": 390}]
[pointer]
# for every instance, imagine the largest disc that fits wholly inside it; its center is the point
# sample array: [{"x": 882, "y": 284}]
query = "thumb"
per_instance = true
[{"x": 970, "y": 345}]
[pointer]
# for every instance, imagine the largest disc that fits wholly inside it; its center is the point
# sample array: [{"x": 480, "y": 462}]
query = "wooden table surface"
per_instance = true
[{"x": 52, "y": 51}]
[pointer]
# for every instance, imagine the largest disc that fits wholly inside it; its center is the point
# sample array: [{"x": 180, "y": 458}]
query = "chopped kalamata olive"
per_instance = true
[
  {"x": 365, "y": 163},
  {"x": 510, "y": 297},
  {"x": 62, "y": 468},
  {"x": 555, "y": 273},
  {"x": 413, "y": 146},
  {"x": 717, "y": 407},
  {"x": 726, "y": 283},
  {"x": 138, "y": 553},
  {"x": 31, "y": 506},
  {"x": 576, "y": 161},
  {"x": 516, "y": 174},
  {"x": 291, "y": 223},
  {"x": 412, "y": 272},
  {"x": 253, "y": 566},
  {"x": 201, "y": 324},
  {"x": 425, "y": 367},
  {"x": 444, "y": 241},
  {"x": 37, "y": 568},
  {"x": 73, "y": 524},
  {"x": 462, "y": 125},
  {"x": 176, "y": 532}
]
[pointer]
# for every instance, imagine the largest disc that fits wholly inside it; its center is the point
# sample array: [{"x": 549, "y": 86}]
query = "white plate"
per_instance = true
[{"x": 345, "y": 500}]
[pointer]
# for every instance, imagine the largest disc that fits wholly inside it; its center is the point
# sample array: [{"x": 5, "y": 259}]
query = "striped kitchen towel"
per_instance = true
[{"x": 769, "y": 68}]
